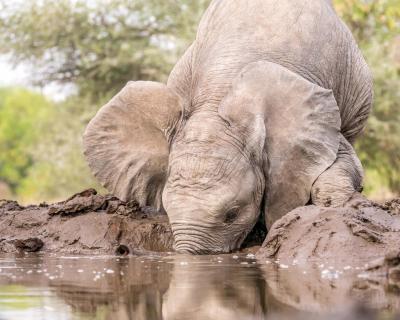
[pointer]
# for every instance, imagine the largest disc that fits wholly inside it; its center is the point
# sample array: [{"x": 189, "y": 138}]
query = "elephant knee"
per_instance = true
[
  {"x": 332, "y": 190},
  {"x": 337, "y": 185}
]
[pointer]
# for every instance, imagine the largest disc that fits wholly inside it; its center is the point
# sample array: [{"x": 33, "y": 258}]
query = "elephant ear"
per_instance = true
[
  {"x": 302, "y": 130},
  {"x": 127, "y": 142}
]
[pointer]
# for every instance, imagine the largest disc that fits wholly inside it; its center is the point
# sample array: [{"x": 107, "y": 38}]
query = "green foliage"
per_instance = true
[
  {"x": 40, "y": 145},
  {"x": 370, "y": 20},
  {"x": 58, "y": 168},
  {"x": 22, "y": 115}
]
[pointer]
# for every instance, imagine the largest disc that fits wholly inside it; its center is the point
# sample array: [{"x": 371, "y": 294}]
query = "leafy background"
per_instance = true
[{"x": 90, "y": 49}]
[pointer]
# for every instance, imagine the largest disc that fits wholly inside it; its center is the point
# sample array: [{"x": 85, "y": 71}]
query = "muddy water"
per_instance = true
[{"x": 185, "y": 287}]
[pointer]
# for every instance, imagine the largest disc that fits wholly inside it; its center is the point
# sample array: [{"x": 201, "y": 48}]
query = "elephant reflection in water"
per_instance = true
[
  {"x": 226, "y": 291},
  {"x": 185, "y": 287}
]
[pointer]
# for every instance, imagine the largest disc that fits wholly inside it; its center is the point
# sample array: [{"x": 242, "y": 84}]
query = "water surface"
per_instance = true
[{"x": 185, "y": 287}]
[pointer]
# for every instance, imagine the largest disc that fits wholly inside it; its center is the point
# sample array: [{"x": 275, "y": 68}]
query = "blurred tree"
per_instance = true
[
  {"x": 97, "y": 45},
  {"x": 370, "y": 20},
  {"x": 22, "y": 115},
  {"x": 58, "y": 168}
]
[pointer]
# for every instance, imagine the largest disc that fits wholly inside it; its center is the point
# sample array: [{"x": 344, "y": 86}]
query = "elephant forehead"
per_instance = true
[{"x": 206, "y": 167}]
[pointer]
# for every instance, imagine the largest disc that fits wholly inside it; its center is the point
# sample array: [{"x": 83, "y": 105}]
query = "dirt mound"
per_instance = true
[
  {"x": 352, "y": 235},
  {"x": 85, "y": 223}
]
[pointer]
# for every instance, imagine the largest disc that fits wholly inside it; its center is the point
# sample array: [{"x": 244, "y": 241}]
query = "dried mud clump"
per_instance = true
[
  {"x": 8, "y": 205},
  {"x": 393, "y": 206}
]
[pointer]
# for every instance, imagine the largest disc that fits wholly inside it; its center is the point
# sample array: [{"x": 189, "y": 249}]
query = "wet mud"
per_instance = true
[
  {"x": 355, "y": 234},
  {"x": 90, "y": 223},
  {"x": 87, "y": 223}
]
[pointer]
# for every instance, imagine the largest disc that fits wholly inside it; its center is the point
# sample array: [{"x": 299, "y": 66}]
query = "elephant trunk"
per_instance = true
[{"x": 193, "y": 239}]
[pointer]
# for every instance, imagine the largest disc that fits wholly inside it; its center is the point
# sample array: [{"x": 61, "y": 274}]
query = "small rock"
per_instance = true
[
  {"x": 29, "y": 245},
  {"x": 392, "y": 206}
]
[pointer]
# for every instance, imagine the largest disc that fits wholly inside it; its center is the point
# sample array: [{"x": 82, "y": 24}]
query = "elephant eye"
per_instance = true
[{"x": 231, "y": 215}]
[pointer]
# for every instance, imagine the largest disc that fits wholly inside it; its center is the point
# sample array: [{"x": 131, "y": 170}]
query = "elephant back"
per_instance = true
[{"x": 304, "y": 36}]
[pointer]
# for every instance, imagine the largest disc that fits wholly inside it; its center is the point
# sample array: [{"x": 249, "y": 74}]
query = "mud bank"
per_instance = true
[
  {"x": 88, "y": 223},
  {"x": 353, "y": 235}
]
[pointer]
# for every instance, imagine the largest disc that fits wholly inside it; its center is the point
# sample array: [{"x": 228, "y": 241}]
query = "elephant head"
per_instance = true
[{"x": 215, "y": 168}]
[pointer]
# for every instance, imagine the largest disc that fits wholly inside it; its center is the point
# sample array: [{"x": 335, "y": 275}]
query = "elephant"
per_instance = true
[{"x": 257, "y": 118}]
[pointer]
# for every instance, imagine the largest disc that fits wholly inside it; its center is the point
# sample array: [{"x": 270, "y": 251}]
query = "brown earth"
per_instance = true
[
  {"x": 87, "y": 223},
  {"x": 353, "y": 235}
]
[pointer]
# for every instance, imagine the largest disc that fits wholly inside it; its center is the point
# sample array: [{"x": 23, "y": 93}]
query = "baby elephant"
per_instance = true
[{"x": 258, "y": 116}]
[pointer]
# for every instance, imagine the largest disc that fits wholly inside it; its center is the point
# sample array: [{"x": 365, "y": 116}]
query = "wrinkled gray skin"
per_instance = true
[{"x": 258, "y": 116}]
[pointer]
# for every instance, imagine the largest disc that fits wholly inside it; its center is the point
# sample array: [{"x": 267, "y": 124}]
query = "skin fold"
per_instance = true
[{"x": 259, "y": 115}]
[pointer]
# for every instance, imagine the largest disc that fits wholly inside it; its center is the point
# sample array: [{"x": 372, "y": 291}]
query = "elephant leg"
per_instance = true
[{"x": 342, "y": 181}]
